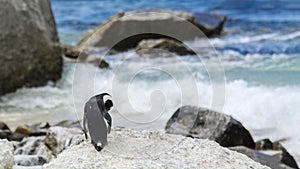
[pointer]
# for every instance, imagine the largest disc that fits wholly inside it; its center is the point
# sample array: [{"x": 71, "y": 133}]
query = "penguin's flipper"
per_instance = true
[
  {"x": 84, "y": 128},
  {"x": 109, "y": 121},
  {"x": 85, "y": 134},
  {"x": 108, "y": 129}
]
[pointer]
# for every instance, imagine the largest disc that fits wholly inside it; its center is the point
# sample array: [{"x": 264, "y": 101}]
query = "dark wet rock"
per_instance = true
[
  {"x": 271, "y": 158},
  {"x": 212, "y": 22},
  {"x": 38, "y": 129},
  {"x": 41, "y": 125},
  {"x": 70, "y": 51},
  {"x": 76, "y": 54},
  {"x": 59, "y": 138},
  {"x": 125, "y": 30},
  {"x": 30, "y": 160},
  {"x": 31, "y": 130},
  {"x": 34, "y": 146},
  {"x": 204, "y": 123},
  {"x": 27, "y": 55},
  {"x": 97, "y": 61},
  {"x": 6, "y": 154},
  {"x": 3, "y": 126},
  {"x": 288, "y": 159},
  {"x": 147, "y": 46},
  {"x": 11, "y": 136},
  {"x": 264, "y": 144},
  {"x": 68, "y": 123},
  {"x": 285, "y": 157}
]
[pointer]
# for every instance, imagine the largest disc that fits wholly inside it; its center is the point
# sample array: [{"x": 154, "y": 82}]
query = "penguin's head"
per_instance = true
[{"x": 107, "y": 100}]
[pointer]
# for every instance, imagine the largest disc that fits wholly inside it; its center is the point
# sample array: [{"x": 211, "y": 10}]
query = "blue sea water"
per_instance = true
[
  {"x": 259, "y": 50},
  {"x": 262, "y": 27}
]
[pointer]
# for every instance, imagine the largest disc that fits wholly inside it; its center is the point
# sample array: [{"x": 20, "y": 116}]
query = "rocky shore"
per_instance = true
[
  {"x": 195, "y": 137},
  {"x": 127, "y": 149}
]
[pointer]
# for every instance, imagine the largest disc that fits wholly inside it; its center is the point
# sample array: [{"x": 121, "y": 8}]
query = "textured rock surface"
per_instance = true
[
  {"x": 33, "y": 146},
  {"x": 152, "y": 45},
  {"x": 151, "y": 149},
  {"x": 133, "y": 26},
  {"x": 6, "y": 154},
  {"x": 204, "y": 123},
  {"x": 27, "y": 54}
]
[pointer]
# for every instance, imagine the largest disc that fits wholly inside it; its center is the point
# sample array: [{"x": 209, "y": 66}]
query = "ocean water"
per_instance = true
[{"x": 259, "y": 52}]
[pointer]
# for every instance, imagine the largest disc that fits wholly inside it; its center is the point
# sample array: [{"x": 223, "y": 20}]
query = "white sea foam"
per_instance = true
[
  {"x": 41, "y": 97},
  {"x": 241, "y": 39}
]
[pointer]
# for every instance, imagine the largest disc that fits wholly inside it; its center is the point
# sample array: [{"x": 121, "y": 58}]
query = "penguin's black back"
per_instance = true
[{"x": 96, "y": 125}]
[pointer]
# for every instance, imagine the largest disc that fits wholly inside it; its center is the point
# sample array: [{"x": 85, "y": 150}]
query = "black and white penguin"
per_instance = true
[{"x": 96, "y": 119}]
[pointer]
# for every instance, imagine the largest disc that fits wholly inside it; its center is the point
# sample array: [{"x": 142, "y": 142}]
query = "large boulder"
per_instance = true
[
  {"x": 27, "y": 54},
  {"x": 6, "y": 154},
  {"x": 207, "y": 124},
  {"x": 3, "y": 126},
  {"x": 151, "y": 149},
  {"x": 125, "y": 30}
]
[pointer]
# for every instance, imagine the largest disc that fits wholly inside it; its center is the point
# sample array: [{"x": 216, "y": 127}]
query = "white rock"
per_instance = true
[
  {"x": 6, "y": 154},
  {"x": 151, "y": 149},
  {"x": 30, "y": 160}
]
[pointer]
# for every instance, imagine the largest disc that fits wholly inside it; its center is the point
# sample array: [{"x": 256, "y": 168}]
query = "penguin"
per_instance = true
[{"x": 96, "y": 119}]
